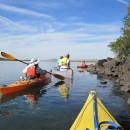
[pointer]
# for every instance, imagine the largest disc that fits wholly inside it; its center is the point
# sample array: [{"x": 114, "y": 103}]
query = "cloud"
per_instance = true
[
  {"x": 45, "y": 45},
  {"x": 50, "y": 38},
  {"x": 123, "y": 1},
  {"x": 10, "y": 27},
  {"x": 23, "y": 11}
]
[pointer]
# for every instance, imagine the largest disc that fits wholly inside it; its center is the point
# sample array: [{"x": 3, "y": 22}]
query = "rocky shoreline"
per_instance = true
[{"x": 116, "y": 69}]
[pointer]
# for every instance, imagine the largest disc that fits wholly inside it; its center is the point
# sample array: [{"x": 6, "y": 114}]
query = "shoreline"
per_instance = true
[{"x": 55, "y": 60}]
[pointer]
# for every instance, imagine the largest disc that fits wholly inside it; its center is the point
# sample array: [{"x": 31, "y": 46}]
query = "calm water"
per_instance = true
[{"x": 52, "y": 109}]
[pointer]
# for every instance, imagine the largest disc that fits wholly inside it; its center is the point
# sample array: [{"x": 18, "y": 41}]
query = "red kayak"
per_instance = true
[
  {"x": 82, "y": 66},
  {"x": 23, "y": 84}
]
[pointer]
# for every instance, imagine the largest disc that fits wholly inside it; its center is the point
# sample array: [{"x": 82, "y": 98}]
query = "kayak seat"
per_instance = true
[{"x": 112, "y": 126}]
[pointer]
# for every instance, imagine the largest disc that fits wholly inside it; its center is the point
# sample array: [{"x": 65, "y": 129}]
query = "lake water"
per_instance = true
[{"x": 51, "y": 109}]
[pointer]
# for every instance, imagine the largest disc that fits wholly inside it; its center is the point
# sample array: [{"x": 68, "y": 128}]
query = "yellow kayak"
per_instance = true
[{"x": 94, "y": 116}]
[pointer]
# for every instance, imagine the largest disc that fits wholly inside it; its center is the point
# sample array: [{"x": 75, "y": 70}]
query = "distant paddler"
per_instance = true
[
  {"x": 59, "y": 60},
  {"x": 65, "y": 63}
]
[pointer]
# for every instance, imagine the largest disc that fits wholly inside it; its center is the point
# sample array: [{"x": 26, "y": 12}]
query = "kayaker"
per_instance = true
[
  {"x": 65, "y": 63},
  {"x": 59, "y": 61},
  {"x": 83, "y": 63},
  {"x": 33, "y": 70}
]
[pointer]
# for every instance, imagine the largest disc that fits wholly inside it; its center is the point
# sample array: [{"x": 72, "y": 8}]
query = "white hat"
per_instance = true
[
  {"x": 66, "y": 54},
  {"x": 34, "y": 61}
]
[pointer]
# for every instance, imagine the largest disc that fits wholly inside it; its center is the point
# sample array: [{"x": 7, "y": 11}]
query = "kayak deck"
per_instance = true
[
  {"x": 67, "y": 73},
  {"x": 24, "y": 84},
  {"x": 94, "y": 117}
]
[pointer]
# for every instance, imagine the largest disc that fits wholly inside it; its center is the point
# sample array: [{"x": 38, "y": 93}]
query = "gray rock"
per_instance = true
[
  {"x": 100, "y": 62},
  {"x": 92, "y": 67},
  {"x": 125, "y": 88}
]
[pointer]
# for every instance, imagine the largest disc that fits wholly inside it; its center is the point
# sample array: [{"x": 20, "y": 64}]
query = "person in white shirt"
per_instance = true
[{"x": 65, "y": 63}]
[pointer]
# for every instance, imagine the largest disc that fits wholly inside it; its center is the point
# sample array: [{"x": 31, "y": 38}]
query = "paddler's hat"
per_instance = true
[
  {"x": 34, "y": 61},
  {"x": 66, "y": 54}
]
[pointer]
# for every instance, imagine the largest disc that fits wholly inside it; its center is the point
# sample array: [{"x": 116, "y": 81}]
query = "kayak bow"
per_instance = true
[{"x": 95, "y": 116}]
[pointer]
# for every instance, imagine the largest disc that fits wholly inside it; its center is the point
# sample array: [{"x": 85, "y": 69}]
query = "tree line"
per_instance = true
[{"x": 121, "y": 47}]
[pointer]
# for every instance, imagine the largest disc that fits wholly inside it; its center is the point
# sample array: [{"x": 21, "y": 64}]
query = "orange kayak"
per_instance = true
[
  {"x": 23, "y": 84},
  {"x": 82, "y": 66}
]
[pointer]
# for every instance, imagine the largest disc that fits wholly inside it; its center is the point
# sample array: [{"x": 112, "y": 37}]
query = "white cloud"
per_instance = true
[
  {"x": 50, "y": 39},
  {"x": 123, "y": 1},
  {"x": 10, "y": 26},
  {"x": 51, "y": 45},
  {"x": 23, "y": 11}
]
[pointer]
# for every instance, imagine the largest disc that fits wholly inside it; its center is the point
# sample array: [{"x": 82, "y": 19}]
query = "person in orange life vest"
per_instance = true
[
  {"x": 33, "y": 70},
  {"x": 65, "y": 63},
  {"x": 83, "y": 63}
]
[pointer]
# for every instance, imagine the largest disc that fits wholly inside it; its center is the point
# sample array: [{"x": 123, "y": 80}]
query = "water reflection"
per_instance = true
[
  {"x": 30, "y": 98},
  {"x": 64, "y": 88},
  {"x": 82, "y": 70}
]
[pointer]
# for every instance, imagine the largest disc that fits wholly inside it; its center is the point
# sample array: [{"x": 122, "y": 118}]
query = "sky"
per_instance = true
[{"x": 48, "y": 29}]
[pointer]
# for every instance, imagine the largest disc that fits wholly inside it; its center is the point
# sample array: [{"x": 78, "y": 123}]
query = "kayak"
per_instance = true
[
  {"x": 94, "y": 116},
  {"x": 67, "y": 74},
  {"x": 23, "y": 84},
  {"x": 82, "y": 66}
]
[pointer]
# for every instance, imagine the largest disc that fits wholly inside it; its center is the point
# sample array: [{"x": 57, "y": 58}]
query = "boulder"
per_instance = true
[
  {"x": 126, "y": 66},
  {"x": 92, "y": 67},
  {"x": 93, "y": 71},
  {"x": 110, "y": 64},
  {"x": 100, "y": 62},
  {"x": 125, "y": 88},
  {"x": 124, "y": 82},
  {"x": 114, "y": 69},
  {"x": 109, "y": 59},
  {"x": 100, "y": 69}
]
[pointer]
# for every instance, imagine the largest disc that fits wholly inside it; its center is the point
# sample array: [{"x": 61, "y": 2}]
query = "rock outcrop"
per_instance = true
[{"x": 114, "y": 68}]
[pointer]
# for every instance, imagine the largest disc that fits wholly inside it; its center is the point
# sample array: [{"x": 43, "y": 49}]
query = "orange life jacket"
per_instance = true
[
  {"x": 31, "y": 71},
  {"x": 83, "y": 64}
]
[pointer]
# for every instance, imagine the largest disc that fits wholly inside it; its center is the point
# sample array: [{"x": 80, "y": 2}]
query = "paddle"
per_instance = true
[
  {"x": 10, "y": 57},
  {"x": 57, "y": 84},
  {"x": 57, "y": 76}
]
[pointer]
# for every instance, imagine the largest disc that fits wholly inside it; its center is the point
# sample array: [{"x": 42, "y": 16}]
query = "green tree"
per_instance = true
[{"x": 121, "y": 47}]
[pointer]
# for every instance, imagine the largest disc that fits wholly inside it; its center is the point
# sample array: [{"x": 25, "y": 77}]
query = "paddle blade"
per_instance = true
[
  {"x": 8, "y": 56},
  {"x": 59, "y": 76}
]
